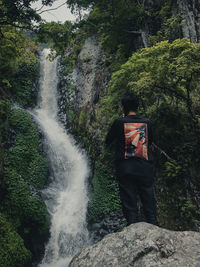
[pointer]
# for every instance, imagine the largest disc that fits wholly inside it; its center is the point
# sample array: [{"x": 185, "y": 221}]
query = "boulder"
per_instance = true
[{"x": 142, "y": 244}]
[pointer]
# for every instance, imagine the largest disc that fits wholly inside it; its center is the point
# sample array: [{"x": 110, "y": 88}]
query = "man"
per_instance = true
[{"x": 132, "y": 136}]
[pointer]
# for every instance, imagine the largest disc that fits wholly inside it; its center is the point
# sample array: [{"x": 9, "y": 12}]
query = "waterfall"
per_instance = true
[{"x": 66, "y": 196}]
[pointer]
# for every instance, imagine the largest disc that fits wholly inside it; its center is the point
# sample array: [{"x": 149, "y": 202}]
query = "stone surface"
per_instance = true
[
  {"x": 189, "y": 12},
  {"x": 89, "y": 78},
  {"x": 89, "y": 72},
  {"x": 143, "y": 245}
]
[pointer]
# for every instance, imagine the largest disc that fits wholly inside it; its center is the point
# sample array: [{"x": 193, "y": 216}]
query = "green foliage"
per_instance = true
[
  {"x": 78, "y": 4},
  {"x": 83, "y": 118},
  {"x": 24, "y": 152},
  {"x": 115, "y": 21},
  {"x": 24, "y": 173},
  {"x": 22, "y": 90},
  {"x": 37, "y": 220},
  {"x": 19, "y": 13},
  {"x": 119, "y": 25},
  {"x": 12, "y": 250},
  {"x": 67, "y": 63},
  {"x": 105, "y": 195},
  {"x": 17, "y": 196},
  {"x": 176, "y": 208},
  {"x": 57, "y": 35},
  {"x": 16, "y": 52},
  {"x": 27, "y": 213},
  {"x": 70, "y": 115},
  {"x": 168, "y": 23},
  {"x": 163, "y": 73},
  {"x": 24, "y": 156},
  {"x": 38, "y": 170}
]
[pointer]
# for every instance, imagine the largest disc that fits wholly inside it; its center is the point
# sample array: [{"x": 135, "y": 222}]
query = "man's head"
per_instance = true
[{"x": 130, "y": 102}]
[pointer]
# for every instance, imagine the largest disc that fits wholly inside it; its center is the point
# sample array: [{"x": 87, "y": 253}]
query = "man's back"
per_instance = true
[{"x": 132, "y": 136}]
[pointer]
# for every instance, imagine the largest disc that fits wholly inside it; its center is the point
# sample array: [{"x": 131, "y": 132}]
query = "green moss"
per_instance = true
[
  {"x": 37, "y": 219},
  {"x": 83, "y": 116},
  {"x": 12, "y": 250},
  {"x": 38, "y": 170},
  {"x": 22, "y": 90},
  {"x": 105, "y": 196},
  {"x": 17, "y": 195},
  {"x": 24, "y": 156}
]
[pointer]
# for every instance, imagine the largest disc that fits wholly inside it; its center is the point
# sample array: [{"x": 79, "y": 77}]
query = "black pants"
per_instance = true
[{"x": 130, "y": 187}]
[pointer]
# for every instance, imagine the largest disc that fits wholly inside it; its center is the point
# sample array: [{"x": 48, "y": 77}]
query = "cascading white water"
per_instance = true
[{"x": 66, "y": 196}]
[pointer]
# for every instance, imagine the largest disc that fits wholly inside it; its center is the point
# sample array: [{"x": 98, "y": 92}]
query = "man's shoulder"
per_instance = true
[
  {"x": 128, "y": 119},
  {"x": 145, "y": 119},
  {"x": 134, "y": 118},
  {"x": 119, "y": 119}
]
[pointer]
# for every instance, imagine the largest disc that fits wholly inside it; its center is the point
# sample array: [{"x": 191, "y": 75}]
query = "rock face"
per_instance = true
[
  {"x": 90, "y": 75},
  {"x": 89, "y": 79},
  {"x": 189, "y": 12},
  {"x": 143, "y": 245}
]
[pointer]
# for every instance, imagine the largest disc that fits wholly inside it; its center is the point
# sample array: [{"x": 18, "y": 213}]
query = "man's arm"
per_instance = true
[{"x": 112, "y": 134}]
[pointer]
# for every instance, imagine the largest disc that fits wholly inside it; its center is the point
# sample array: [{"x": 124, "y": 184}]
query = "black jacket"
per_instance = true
[{"x": 133, "y": 137}]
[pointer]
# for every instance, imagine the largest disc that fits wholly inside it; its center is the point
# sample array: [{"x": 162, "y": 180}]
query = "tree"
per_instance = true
[
  {"x": 165, "y": 73},
  {"x": 19, "y": 13},
  {"x": 16, "y": 16},
  {"x": 115, "y": 21},
  {"x": 79, "y": 4},
  {"x": 15, "y": 49},
  {"x": 56, "y": 34}
]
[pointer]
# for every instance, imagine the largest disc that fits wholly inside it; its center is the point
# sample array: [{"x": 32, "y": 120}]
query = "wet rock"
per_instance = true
[
  {"x": 80, "y": 89},
  {"x": 105, "y": 225},
  {"x": 142, "y": 244},
  {"x": 90, "y": 75},
  {"x": 189, "y": 12}
]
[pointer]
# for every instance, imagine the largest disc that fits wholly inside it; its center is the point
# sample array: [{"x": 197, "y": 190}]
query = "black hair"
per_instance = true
[{"x": 130, "y": 102}]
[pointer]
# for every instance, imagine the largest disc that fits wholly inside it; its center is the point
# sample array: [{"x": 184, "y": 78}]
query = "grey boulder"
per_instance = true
[{"x": 142, "y": 244}]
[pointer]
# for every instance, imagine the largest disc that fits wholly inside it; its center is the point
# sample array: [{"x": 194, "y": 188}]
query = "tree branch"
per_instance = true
[
  {"x": 39, "y": 8},
  {"x": 162, "y": 152},
  {"x": 52, "y": 8},
  {"x": 135, "y": 32}
]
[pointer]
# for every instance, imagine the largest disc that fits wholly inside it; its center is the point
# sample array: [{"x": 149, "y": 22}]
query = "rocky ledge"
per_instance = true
[{"x": 142, "y": 245}]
